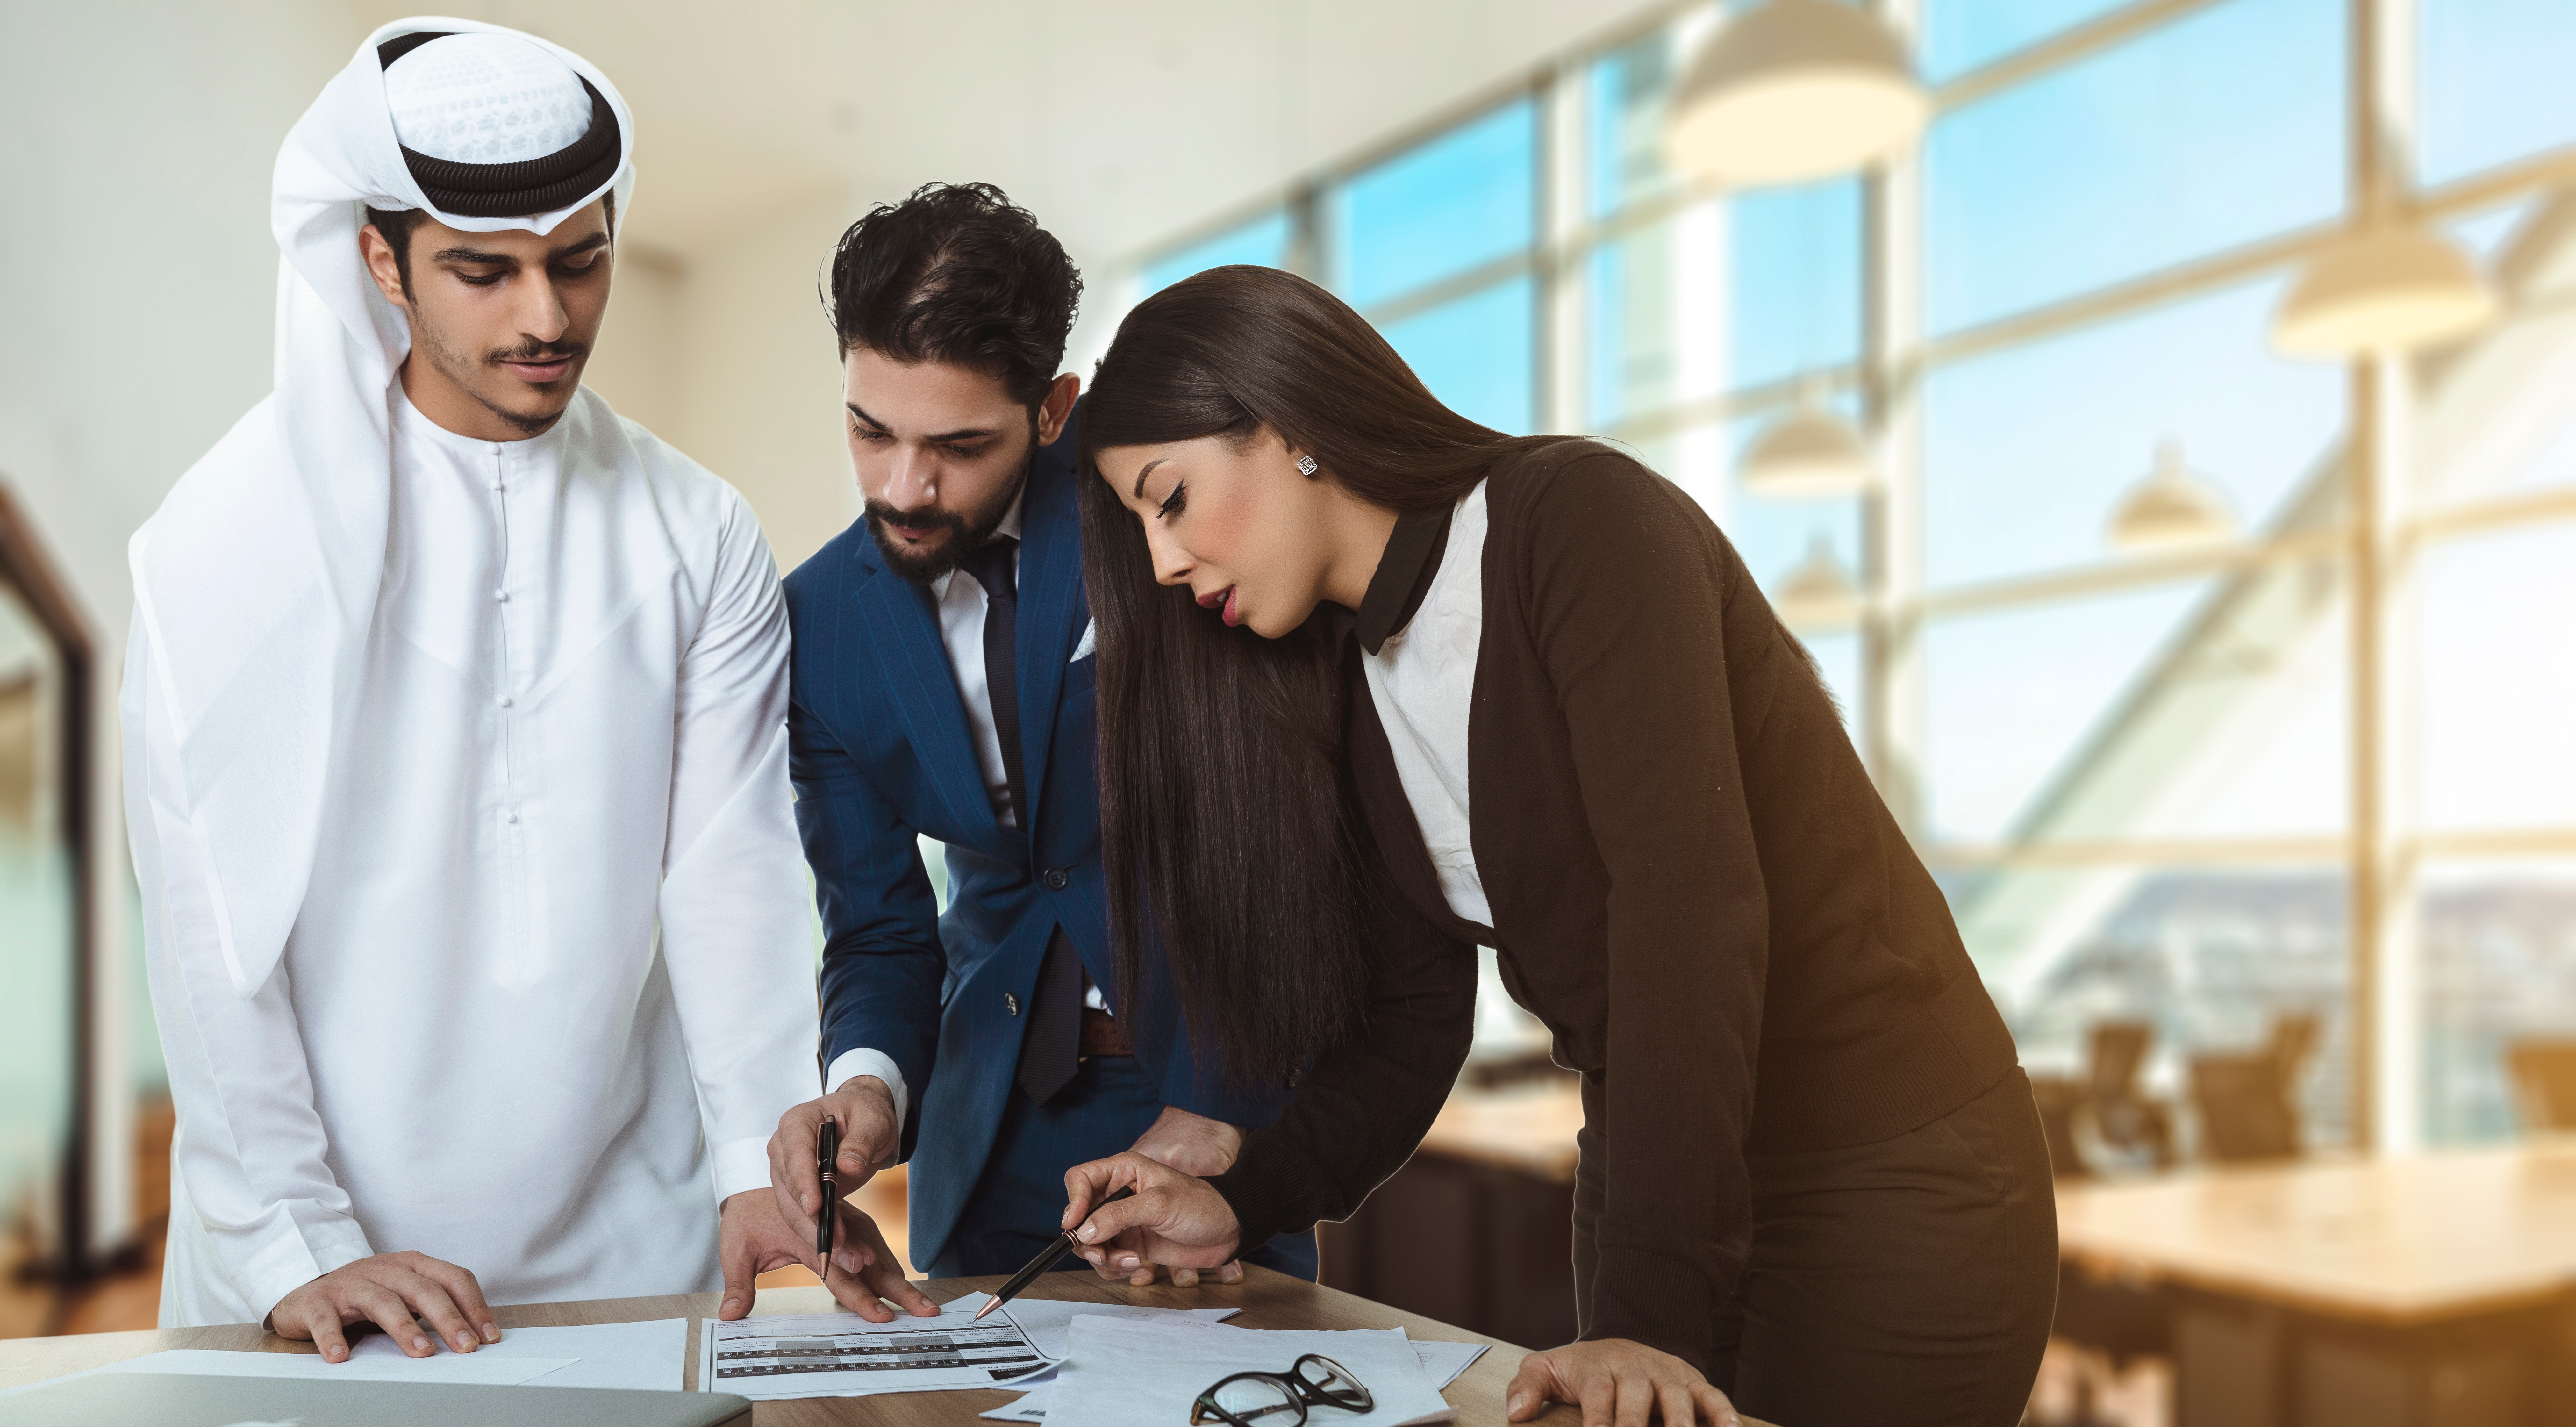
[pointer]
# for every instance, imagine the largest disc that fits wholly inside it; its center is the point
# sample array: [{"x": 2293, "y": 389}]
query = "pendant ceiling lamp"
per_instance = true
[
  {"x": 1810, "y": 454},
  {"x": 1817, "y": 589},
  {"x": 2172, "y": 506},
  {"x": 2391, "y": 286},
  {"x": 1794, "y": 90}
]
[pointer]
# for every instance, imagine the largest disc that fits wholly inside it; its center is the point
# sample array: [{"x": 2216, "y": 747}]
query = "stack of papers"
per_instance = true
[
  {"x": 1123, "y": 1371},
  {"x": 844, "y": 1355}
]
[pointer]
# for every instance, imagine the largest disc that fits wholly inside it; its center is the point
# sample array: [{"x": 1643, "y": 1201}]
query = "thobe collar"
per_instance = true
[
  {"x": 1403, "y": 577},
  {"x": 412, "y": 425}
]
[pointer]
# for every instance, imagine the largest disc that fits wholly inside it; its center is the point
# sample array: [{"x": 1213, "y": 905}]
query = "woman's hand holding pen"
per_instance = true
[
  {"x": 1175, "y": 1218},
  {"x": 1192, "y": 1144}
]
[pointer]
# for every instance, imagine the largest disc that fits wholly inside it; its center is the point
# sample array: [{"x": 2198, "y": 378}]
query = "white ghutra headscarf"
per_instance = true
[{"x": 255, "y": 583}]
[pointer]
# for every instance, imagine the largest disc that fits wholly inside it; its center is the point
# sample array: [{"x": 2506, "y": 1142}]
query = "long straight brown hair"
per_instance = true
[{"x": 1225, "y": 807}]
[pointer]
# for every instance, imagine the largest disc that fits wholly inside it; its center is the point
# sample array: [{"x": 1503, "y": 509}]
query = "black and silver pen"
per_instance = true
[
  {"x": 825, "y": 1222},
  {"x": 1063, "y": 1245}
]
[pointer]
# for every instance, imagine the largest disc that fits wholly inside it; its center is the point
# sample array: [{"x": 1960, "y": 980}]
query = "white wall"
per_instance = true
[{"x": 759, "y": 382}]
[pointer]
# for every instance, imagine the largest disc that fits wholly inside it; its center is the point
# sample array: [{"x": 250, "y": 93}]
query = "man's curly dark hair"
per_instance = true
[{"x": 956, "y": 273}]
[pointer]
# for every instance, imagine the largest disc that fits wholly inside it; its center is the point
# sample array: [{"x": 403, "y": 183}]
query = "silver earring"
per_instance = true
[{"x": 1305, "y": 465}]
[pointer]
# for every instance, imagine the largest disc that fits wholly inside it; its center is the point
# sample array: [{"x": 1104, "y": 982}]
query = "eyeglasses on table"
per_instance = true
[{"x": 1256, "y": 1399}]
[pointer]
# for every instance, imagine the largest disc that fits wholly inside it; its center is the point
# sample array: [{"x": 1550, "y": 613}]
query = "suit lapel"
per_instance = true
[
  {"x": 914, "y": 663},
  {"x": 1052, "y": 607}
]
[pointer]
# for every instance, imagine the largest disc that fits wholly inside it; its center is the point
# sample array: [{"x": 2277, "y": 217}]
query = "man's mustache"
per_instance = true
[
  {"x": 927, "y": 518},
  {"x": 537, "y": 352}
]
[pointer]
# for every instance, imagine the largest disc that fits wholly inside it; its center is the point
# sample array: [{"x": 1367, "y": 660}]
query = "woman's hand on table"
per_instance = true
[
  {"x": 1617, "y": 1383},
  {"x": 1175, "y": 1219}
]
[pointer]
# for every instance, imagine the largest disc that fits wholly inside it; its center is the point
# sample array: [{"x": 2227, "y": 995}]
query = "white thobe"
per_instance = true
[{"x": 551, "y": 984}]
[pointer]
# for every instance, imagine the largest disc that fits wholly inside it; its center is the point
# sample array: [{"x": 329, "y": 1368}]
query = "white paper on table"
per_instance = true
[
  {"x": 845, "y": 1355},
  {"x": 1121, "y": 1371},
  {"x": 1444, "y": 1361},
  {"x": 1441, "y": 1362},
  {"x": 470, "y": 1368},
  {"x": 1047, "y": 1320},
  {"x": 648, "y": 1356}
]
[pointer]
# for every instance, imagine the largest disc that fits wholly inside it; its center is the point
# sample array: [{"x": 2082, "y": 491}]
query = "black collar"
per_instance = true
[{"x": 1403, "y": 575}]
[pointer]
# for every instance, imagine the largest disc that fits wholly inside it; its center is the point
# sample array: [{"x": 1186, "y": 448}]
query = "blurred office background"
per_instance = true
[{"x": 2168, "y": 453}]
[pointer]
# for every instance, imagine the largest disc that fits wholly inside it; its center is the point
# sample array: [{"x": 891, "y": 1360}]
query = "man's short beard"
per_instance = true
[
  {"x": 965, "y": 532},
  {"x": 460, "y": 368}
]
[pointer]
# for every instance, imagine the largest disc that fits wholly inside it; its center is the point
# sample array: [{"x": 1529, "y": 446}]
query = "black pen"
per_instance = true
[
  {"x": 830, "y": 1217},
  {"x": 1063, "y": 1245}
]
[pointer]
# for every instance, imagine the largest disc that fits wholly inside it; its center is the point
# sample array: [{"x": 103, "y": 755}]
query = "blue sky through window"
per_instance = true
[
  {"x": 1477, "y": 353},
  {"x": 1464, "y": 198},
  {"x": 2217, "y": 130},
  {"x": 2493, "y": 82},
  {"x": 1262, "y": 242}
]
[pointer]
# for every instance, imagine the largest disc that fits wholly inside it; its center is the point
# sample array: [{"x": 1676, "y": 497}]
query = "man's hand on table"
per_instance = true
[
  {"x": 1617, "y": 1383},
  {"x": 388, "y": 1290},
  {"x": 754, "y": 1239},
  {"x": 1175, "y": 1218}
]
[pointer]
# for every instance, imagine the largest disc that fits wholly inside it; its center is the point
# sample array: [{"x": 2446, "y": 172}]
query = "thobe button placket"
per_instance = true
[
  {"x": 502, "y": 595},
  {"x": 505, "y": 701},
  {"x": 511, "y": 817}
]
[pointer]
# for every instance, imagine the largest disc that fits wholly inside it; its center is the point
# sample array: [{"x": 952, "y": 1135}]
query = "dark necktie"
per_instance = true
[{"x": 1052, "y": 1046}]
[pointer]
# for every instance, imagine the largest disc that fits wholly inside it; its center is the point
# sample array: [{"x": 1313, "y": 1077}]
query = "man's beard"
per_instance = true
[
  {"x": 965, "y": 531},
  {"x": 460, "y": 368}
]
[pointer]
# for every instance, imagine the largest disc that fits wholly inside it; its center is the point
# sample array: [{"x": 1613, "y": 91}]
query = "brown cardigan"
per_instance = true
[{"x": 1693, "y": 882}]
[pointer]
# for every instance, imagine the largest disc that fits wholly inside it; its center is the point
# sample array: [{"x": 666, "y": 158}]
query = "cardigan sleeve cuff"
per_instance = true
[
  {"x": 1654, "y": 1299},
  {"x": 1268, "y": 1190}
]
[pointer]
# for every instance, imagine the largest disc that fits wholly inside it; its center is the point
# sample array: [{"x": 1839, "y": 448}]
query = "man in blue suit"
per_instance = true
[{"x": 942, "y": 688}]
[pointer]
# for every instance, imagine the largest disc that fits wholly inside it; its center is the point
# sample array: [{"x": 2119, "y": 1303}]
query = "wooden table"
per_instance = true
[
  {"x": 1268, "y": 1300},
  {"x": 2431, "y": 1289}
]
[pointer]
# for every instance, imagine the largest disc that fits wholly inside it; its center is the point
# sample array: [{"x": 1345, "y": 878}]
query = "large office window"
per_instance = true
[{"x": 2133, "y": 766}]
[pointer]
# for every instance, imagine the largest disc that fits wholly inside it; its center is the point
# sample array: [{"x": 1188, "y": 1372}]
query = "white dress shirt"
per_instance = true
[
  {"x": 551, "y": 983},
  {"x": 1423, "y": 682},
  {"x": 961, "y": 602}
]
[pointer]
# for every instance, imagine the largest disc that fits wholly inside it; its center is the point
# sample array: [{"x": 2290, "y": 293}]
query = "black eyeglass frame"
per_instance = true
[{"x": 1301, "y": 1393}]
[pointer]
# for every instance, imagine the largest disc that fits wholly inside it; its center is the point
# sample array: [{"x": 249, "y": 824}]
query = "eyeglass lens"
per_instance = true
[
  {"x": 1332, "y": 1382},
  {"x": 1258, "y": 1399}
]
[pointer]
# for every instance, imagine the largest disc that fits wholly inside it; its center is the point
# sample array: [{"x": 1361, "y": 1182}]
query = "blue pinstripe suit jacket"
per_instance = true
[{"x": 882, "y": 753}]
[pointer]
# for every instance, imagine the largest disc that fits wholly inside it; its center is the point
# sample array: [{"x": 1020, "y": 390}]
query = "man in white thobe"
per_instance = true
[{"x": 456, "y": 765}]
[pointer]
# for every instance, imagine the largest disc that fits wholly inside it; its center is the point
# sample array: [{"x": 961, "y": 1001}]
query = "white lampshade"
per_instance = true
[
  {"x": 1810, "y": 454},
  {"x": 2172, "y": 506},
  {"x": 1795, "y": 90},
  {"x": 2389, "y": 287},
  {"x": 1817, "y": 590}
]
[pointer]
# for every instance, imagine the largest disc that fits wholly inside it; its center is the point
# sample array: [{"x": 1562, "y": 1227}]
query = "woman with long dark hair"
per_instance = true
[{"x": 1379, "y": 684}]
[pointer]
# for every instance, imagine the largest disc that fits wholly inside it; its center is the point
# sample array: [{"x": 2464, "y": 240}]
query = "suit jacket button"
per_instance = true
[
  {"x": 1010, "y": 1003},
  {"x": 1056, "y": 880}
]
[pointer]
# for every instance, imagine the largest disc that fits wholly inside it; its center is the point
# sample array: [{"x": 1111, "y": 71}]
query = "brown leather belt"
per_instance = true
[{"x": 1103, "y": 1034}]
